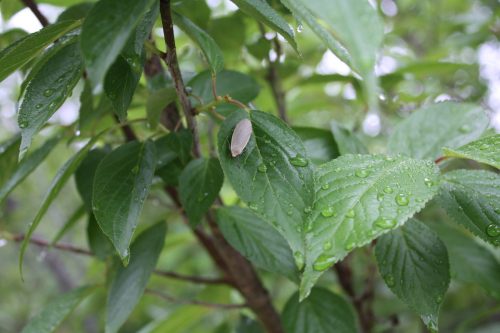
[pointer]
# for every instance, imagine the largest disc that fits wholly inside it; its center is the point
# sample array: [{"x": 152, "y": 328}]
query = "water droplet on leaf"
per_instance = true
[
  {"x": 362, "y": 173},
  {"x": 328, "y": 212},
  {"x": 350, "y": 213},
  {"x": 299, "y": 161},
  {"x": 299, "y": 260},
  {"x": 389, "y": 280},
  {"x": 402, "y": 199},
  {"x": 428, "y": 182},
  {"x": 388, "y": 189},
  {"x": 493, "y": 230},
  {"x": 385, "y": 223},
  {"x": 325, "y": 186},
  {"x": 262, "y": 167},
  {"x": 48, "y": 92},
  {"x": 327, "y": 245},
  {"x": 323, "y": 262}
]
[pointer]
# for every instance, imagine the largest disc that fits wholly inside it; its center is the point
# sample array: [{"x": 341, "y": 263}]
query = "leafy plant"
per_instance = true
[{"x": 187, "y": 138}]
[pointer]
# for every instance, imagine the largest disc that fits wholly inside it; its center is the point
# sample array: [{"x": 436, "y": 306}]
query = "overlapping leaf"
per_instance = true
[{"x": 485, "y": 150}]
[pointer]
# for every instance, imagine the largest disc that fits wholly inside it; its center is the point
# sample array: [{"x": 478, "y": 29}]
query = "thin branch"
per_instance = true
[
  {"x": 440, "y": 159},
  {"x": 172, "y": 299},
  {"x": 127, "y": 131},
  {"x": 31, "y": 4},
  {"x": 193, "y": 279},
  {"x": 59, "y": 246},
  {"x": 175, "y": 73}
]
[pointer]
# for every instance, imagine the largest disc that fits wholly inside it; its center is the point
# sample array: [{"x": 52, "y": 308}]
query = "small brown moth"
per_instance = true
[{"x": 241, "y": 136}]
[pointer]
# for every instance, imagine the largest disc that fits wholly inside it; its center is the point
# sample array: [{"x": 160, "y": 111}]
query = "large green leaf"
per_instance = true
[
  {"x": 347, "y": 142},
  {"x": 47, "y": 91},
  {"x": 264, "y": 13},
  {"x": 485, "y": 150},
  {"x": 319, "y": 143},
  {"x": 84, "y": 175},
  {"x": 206, "y": 43},
  {"x": 27, "y": 48},
  {"x": 121, "y": 184},
  {"x": 199, "y": 186},
  {"x": 56, "y": 311},
  {"x": 8, "y": 158},
  {"x": 60, "y": 179},
  {"x": 470, "y": 262},
  {"x": 414, "y": 264},
  {"x": 128, "y": 283},
  {"x": 472, "y": 198},
  {"x": 322, "y": 312},
  {"x": 257, "y": 241},
  {"x": 272, "y": 175},
  {"x": 358, "y": 198},
  {"x": 427, "y": 130},
  {"x": 99, "y": 244},
  {"x": 105, "y": 32},
  {"x": 239, "y": 86},
  {"x": 26, "y": 166}
]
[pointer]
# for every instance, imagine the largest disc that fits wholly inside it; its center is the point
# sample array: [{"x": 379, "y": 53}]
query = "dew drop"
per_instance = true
[
  {"x": 484, "y": 146},
  {"x": 439, "y": 299},
  {"x": 252, "y": 206},
  {"x": 337, "y": 169},
  {"x": 299, "y": 260},
  {"x": 465, "y": 129},
  {"x": 325, "y": 186},
  {"x": 402, "y": 199},
  {"x": 60, "y": 80},
  {"x": 388, "y": 189},
  {"x": 299, "y": 161},
  {"x": 389, "y": 280},
  {"x": 385, "y": 223},
  {"x": 389, "y": 158},
  {"x": 135, "y": 170},
  {"x": 300, "y": 28},
  {"x": 52, "y": 105},
  {"x": 48, "y": 92},
  {"x": 323, "y": 262},
  {"x": 362, "y": 173},
  {"x": 380, "y": 196},
  {"x": 328, "y": 212},
  {"x": 350, "y": 213},
  {"x": 349, "y": 246},
  {"x": 493, "y": 230},
  {"x": 262, "y": 167},
  {"x": 428, "y": 182},
  {"x": 327, "y": 245},
  {"x": 38, "y": 106},
  {"x": 308, "y": 210},
  {"x": 23, "y": 124}
]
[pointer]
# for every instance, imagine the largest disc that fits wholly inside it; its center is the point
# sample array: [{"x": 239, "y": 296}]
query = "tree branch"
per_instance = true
[
  {"x": 274, "y": 80},
  {"x": 31, "y": 4},
  {"x": 175, "y": 73},
  {"x": 193, "y": 279},
  {"x": 172, "y": 299}
]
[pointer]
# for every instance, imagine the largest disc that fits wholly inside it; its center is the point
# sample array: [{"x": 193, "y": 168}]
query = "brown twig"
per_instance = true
[
  {"x": 175, "y": 73},
  {"x": 193, "y": 279},
  {"x": 31, "y": 4},
  {"x": 440, "y": 159},
  {"x": 170, "y": 298},
  {"x": 59, "y": 246},
  {"x": 127, "y": 131}
]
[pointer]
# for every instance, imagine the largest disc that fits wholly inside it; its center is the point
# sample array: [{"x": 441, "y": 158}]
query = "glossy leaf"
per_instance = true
[
  {"x": 84, "y": 175},
  {"x": 56, "y": 311},
  {"x": 105, "y": 32},
  {"x": 272, "y": 175},
  {"x": 485, "y": 150},
  {"x": 264, "y": 13},
  {"x": 128, "y": 283},
  {"x": 358, "y": 198},
  {"x": 27, "y": 165},
  {"x": 75, "y": 12},
  {"x": 205, "y": 42},
  {"x": 47, "y": 91},
  {"x": 414, "y": 264},
  {"x": 472, "y": 199},
  {"x": 9, "y": 150},
  {"x": 322, "y": 312},
  {"x": 257, "y": 241},
  {"x": 319, "y": 143},
  {"x": 60, "y": 179},
  {"x": 199, "y": 186},
  {"x": 121, "y": 184},
  {"x": 427, "y": 130},
  {"x": 27, "y": 48},
  {"x": 99, "y": 244},
  {"x": 347, "y": 142}
]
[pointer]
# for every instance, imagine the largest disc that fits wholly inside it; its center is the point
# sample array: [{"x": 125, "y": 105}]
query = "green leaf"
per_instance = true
[
  {"x": 75, "y": 12},
  {"x": 47, "y": 91},
  {"x": 157, "y": 102},
  {"x": 99, "y": 244},
  {"x": 27, "y": 48},
  {"x": 485, "y": 150},
  {"x": 84, "y": 175},
  {"x": 414, "y": 264},
  {"x": 56, "y": 311},
  {"x": 358, "y": 198},
  {"x": 60, "y": 179},
  {"x": 199, "y": 186},
  {"x": 264, "y": 13},
  {"x": 27, "y": 165},
  {"x": 257, "y": 241},
  {"x": 470, "y": 262},
  {"x": 105, "y": 32},
  {"x": 204, "y": 41},
  {"x": 173, "y": 154},
  {"x": 239, "y": 86},
  {"x": 322, "y": 312},
  {"x": 128, "y": 283},
  {"x": 472, "y": 198},
  {"x": 121, "y": 184},
  {"x": 248, "y": 325},
  {"x": 272, "y": 175},
  {"x": 8, "y": 158},
  {"x": 319, "y": 143},
  {"x": 70, "y": 223},
  {"x": 347, "y": 142},
  {"x": 427, "y": 130}
]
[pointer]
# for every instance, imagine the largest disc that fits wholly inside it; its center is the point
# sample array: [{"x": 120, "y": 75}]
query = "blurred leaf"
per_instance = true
[
  {"x": 485, "y": 150},
  {"x": 257, "y": 241},
  {"x": 428, "y": 129},
  {"x": 75, "y": 12},
  {"x": 205, "y": 42},
  {"x": 105, "y": 32},
  {"x": 358, "y": 198},
  {"x": 56, "y": 311},
  {"x": 27, "y": 165},
  {"x": 156, "y": 103},
  {"x": 319, "y": 143},
  {"x": 27, "y": 48},
  {"x": 199, "y": 186},
  {"x": 247, "y": 325},
  {"x": 99, "y": 244},
  {"x": 9, "y": 150},
  {"x": 47, "y": 91},
  {"x": 414, "y": 264},
  {"x": 347, "y": 142},
  {"x": 472, "y": 198},
  {"x": 11, "y": 36},
  {"x": 264, "y": 13},
  {"x": 182, "y": 319},
  {"x": 322, "y": 312},
  {"x": 121, "y": 184},
  {"x": 196, "y": 10},
  {"x": 173, "y": 154},
  {"x": 128, "y": 283},
  {"x": 84, "y": 175},
  {"x": 70, "y": 223}
]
